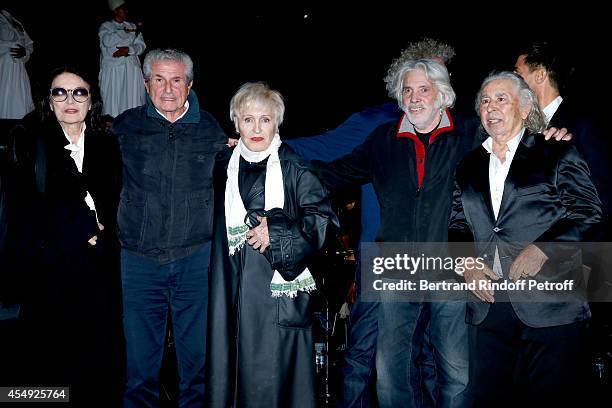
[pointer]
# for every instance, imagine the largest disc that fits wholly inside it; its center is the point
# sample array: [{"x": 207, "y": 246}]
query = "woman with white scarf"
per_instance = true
[{"x": 272, "y": 216}]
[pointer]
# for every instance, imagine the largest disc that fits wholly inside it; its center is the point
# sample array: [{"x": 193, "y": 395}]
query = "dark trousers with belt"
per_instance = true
[
  {"x": 150, "y": 291},
  {"x": 512, "y": 364}
]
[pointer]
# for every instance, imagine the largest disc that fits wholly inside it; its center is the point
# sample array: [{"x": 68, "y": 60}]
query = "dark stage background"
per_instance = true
[{"x": 328, "y": 60}]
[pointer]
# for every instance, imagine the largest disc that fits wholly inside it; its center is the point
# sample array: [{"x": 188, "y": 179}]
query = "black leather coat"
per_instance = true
[
  {"x": 260, "y": 349},
  {"x": 58, "y": 222}
]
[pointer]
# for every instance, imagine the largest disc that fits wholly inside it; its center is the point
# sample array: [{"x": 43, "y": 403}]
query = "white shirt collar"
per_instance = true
[
  {"x": 77, "y": 154},
  {"x": 551, "y": 108},
  {"x": 186, "y": 106},
  {"x": 498, "y": 172},
  {"x": 79, "y": 144},
  {"x": 512, "y": 143}
]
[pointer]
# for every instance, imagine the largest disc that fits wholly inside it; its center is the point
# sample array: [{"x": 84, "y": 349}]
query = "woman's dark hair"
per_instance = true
[{"x": 94, "y": 118}]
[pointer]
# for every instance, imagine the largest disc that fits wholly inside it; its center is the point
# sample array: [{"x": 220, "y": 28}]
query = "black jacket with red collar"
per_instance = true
[{"x": 414, "y": 183}]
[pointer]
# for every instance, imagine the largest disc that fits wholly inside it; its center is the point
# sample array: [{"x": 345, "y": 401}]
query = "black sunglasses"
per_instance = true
[{"x": 78, "y": 94}]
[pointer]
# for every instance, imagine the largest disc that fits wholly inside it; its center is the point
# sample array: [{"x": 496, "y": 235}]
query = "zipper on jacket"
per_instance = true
[{"x": 172, "y": 179}]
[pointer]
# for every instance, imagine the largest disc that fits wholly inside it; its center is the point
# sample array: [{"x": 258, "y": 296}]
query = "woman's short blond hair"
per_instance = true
[{"x": 257, "y": 92}]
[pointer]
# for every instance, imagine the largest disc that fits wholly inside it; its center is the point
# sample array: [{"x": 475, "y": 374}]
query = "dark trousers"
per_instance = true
[
  {"x": 512, "y": 364},
  {"x": 150, "y": 291},
  {"x": 401, "y": 326},
  {"x": 69, "y": 326},
  {"x": 358, "y": 359}
]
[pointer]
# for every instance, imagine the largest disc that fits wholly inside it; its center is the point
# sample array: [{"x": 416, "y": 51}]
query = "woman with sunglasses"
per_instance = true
[{"x": 68, "y": 173}]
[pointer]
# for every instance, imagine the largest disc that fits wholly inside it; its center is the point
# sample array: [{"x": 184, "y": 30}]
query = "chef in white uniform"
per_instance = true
[
  {"x": 121, "y": 80},
  {"x": 15, "y": 50}
]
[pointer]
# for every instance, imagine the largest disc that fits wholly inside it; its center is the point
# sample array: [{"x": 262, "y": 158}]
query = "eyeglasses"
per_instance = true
[{"x": 80, "y": 95}]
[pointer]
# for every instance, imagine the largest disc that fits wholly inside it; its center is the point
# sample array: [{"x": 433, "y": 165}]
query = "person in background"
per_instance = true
[
  {"x": 543, "y": 66},
  {"x": 165, "y": 221},
  {"x": 544, "y": 69},
  {"x": 65, "y": 255},
  {"x": 121, "y": 44},
  {"x": 16, "y": 48}
]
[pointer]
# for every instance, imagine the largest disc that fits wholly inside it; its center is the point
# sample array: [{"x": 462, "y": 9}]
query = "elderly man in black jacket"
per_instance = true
[
  {"x": 165, "y": 227},
  {"x": 515, "y": 197}
]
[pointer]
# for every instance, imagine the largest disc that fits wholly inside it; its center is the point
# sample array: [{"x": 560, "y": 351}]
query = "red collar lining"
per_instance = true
[{"x": 434, "y": 134}]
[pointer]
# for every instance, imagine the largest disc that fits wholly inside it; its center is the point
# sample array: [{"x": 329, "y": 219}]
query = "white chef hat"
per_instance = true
[{"x": 113, "y": 4}]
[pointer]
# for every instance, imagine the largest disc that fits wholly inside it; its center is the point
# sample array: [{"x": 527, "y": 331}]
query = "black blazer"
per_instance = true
[
  {"x": 59, "y": 218},
  {"x": 596, "y": 150},
  {"x": 548, "y": 197}
]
